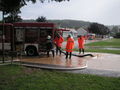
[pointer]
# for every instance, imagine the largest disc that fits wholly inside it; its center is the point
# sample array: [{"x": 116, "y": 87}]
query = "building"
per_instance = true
[
  {"x": 82, "y": 32},
  {"x": 70, "y": 31}
]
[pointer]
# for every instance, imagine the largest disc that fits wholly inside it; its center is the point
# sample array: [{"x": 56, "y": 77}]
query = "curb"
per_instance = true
[{"x": 52, "y": 67}]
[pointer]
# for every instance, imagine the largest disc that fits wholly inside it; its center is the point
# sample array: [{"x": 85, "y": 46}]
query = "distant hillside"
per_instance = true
[
  {"x": 70, "y": 23},
  {"x": 66, "y": 23}
]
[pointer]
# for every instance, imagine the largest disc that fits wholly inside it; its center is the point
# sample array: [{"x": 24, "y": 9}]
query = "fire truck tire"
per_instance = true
[{"x": 31, "y": 51}]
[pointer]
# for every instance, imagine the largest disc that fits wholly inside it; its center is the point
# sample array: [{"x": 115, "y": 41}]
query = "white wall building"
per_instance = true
[
  {"x": 73, "y": 32},
  {"x": 82, "y": 31}
]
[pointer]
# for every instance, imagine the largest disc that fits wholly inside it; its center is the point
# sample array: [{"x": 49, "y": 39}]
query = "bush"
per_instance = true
[{"x": 117, "y": 35}]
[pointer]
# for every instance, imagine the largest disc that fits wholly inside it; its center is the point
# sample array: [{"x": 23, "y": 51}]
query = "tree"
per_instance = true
[
  {"x": 41, "y": 19},
  {"x": 13, "y": 7},
  {"x": 8, "y": 6},
  {"x": 115, "y": 29},
  {"x": 98, "y": 29},
  {"x": 10, "y": 19},
  {"x": 42, "y": 1},
  {"x": 117, "y": 35}
]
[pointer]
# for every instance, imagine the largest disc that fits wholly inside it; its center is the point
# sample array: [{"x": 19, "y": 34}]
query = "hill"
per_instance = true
[
  {"x": 70, "y": 23},
  {"x": 66, "y": 23}
]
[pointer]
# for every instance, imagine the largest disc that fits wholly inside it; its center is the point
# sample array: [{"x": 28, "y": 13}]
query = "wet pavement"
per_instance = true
[
  {"x": 104, "y": 61},
  {"x": 106, "y": 73},
  {"x": 60, "y": 61},
  {"x": 101, "y": 61},
  {"x": 102, "y": 64}
]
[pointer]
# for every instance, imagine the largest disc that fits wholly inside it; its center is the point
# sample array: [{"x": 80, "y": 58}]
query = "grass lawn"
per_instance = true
[
  {"x": 115, "y": 43},
  {"x": 108, "y": 43},
  {"x": 103, "y": 51},
  {"x": 100, "y": 50},
  {"x": 13, "y": 77}
]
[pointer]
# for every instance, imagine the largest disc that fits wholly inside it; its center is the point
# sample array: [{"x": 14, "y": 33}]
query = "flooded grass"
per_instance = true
[{"x": 13, "y": 77}]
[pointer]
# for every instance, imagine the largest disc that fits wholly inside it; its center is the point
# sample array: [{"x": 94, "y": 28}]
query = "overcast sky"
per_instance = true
[{"x": 102, "y": 11}]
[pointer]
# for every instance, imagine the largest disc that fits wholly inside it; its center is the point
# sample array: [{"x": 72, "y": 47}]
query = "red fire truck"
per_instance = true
[{"x": 28, "y": 37}]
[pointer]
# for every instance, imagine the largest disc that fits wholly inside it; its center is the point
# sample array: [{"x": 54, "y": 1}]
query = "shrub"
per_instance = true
[{"x": 117, "y": 35}]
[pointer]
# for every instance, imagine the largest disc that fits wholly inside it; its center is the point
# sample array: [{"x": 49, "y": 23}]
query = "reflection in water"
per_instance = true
[{"x": 68, "y": 63}]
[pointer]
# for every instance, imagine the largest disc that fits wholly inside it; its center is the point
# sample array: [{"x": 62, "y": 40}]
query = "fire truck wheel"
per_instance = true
[{"x": 31, "y": 51}]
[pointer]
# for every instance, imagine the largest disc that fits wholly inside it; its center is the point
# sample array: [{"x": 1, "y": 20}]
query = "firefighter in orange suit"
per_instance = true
[
  {"x": 81, "y": 42},
  {"x": 58, "y": 41},
  {"x": 69, "y": 46}
]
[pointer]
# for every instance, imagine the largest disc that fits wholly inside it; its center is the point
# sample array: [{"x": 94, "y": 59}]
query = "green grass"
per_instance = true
[
  {"x": 103, "y": 51},
  {"x": 115, "y": 43},
  {"x": 108, "y": 43},
  {"x": 13, "y": 77},
  {"x": 6, "y": 58},
  {"x": 100, "y": 50}
]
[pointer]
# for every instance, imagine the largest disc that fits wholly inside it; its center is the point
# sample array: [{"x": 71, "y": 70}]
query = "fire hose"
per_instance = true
[{"x": 75, "y": 54}]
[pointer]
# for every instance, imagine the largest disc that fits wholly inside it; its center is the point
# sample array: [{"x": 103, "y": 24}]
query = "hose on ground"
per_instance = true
[{"x": 75, "y": 54}]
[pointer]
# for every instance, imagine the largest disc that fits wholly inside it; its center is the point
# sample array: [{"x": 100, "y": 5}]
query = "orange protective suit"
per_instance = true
[
  {"x": 81, "y": 42},
  {"x": 70, "y": 44},
  {"x": 58, "y": 41}
]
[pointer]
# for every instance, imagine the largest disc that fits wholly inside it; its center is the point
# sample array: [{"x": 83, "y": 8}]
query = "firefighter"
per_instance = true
[
  {"x": 58, "y": 41},
  {"x": 81, "y": 42},
  {"x": 69, "y": 46},
  {"x": 49, "y": 45}
]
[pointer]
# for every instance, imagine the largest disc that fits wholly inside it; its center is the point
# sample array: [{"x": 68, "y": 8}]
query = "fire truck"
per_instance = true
[{"x": 27, "y": 37}]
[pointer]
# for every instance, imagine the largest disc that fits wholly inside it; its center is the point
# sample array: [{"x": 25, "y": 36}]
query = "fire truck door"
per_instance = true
[
  {"x": 19, "y": 35},
  {"x": 19, "y": 39}
]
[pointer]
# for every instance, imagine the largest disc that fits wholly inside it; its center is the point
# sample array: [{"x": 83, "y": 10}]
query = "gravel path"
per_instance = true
[{"x": 105, "y": 73}]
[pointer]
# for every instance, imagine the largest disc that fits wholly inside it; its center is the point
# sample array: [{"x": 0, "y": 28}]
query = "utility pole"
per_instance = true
[{"x": 3, "y": 38}]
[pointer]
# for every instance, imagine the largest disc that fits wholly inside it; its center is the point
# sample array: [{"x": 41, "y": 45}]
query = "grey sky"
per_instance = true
[{"x": 101, "y": 11}]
